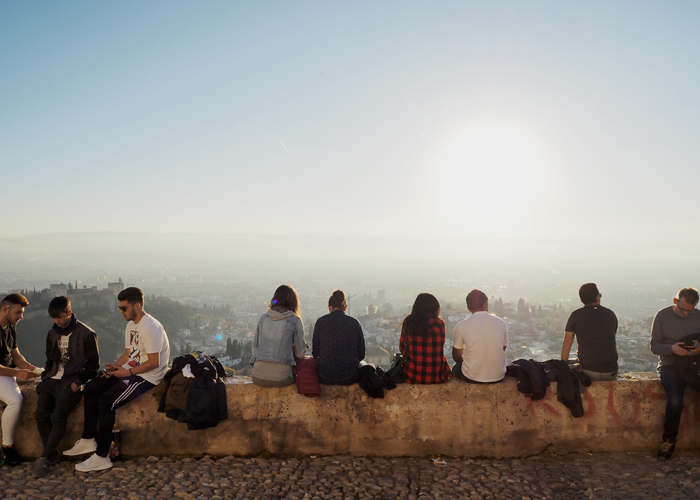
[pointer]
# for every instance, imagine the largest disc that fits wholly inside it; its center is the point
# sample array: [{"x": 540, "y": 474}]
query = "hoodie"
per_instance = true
[{"x": 279, "y": 336}]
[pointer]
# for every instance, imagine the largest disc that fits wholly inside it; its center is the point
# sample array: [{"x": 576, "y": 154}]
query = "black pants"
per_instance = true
[
  {"x": 103, "y": 396},
  {"x": 56, "y": 401}
]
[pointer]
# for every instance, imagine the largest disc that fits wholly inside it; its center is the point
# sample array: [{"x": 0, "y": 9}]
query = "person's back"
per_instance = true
[
  {"x": 422, "y": 343},
  {"x": 278, "y": 337},
  {"x": 339, "y": 346},
  {"x": 479, "y": 343},
  {"x": 594, "y": 328}
]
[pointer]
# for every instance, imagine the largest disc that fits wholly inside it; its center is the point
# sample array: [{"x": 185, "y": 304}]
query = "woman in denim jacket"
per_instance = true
[{"x": 278, "y": 337}]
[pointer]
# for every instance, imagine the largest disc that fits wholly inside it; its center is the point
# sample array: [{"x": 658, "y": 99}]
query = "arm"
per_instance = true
[
  {"x": 152, "y": 363},
  {"x": 566, "y": 345},
  {"x": 360, "y": 342},
  {"x": 315, "y": 342},
  {"x": 24, "y": 370},
  {"x": 457, "y": 354},
  {"x": 299, "y": 342},
  {"x": 402, "y": 340},
  {"x": 112, "y": 368},
  {"x": 49, "y": 348},
  {"x": 658, "y": 346},
  {"x": 20, "y": 361},
  {"x": 92, "y": 355}
]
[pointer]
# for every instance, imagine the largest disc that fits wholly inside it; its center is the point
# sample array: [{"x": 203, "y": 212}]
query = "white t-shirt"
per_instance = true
[
  {"x": 63, "y": 346},
  {"x": 483, "y": 337},
  {"x": 147, "y": 336}
]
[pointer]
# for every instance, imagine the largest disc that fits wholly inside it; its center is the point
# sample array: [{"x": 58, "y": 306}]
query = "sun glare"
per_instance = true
[{"x": 488, "y": 180}]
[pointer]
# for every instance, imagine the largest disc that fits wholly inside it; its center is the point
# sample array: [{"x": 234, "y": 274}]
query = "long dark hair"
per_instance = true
[
  {"x": 286, "y": 296},
  {"x": 425, "y": 307}
]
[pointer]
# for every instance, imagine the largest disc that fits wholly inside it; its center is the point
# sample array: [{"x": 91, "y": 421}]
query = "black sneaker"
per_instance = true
[
  {"x": 11, "y": 456},
  {"x": 666, "y": 451}
]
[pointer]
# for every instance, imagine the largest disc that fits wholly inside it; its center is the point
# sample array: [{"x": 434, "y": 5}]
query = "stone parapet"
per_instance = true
[{"x": 453, "y": 419}]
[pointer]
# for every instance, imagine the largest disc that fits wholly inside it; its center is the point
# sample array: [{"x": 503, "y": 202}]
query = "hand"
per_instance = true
[
  {"x": 74, "y": 386},
  {"x": 679, "y": 350},
  {"x": 25, "y": 375},
  {"x": 694, "y": 351},
  {"x": 120, "y": 372}
]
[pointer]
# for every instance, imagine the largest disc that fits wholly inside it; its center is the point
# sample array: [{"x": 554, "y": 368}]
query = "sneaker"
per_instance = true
[
  {"x": 11, "y": 456},
  {"x": 95, "y": 462},
  {"x": 41, "y": 467},
  {"x": 81, "y": 447},
  {"x": 666, "y": 450}
]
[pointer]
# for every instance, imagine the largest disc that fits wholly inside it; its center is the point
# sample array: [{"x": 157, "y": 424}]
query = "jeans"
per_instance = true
[
  {"x": 56, "y": 401},
  {"x": 103, "y": 395},
  {"x": 601, "y": 375},
  {"x": 675, "y": 388},
  {"x": 12, "y": 397}
]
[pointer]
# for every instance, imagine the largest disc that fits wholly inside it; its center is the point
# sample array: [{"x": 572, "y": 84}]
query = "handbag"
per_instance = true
[
  {"x": 306, "y": 376},
  {"x": 395, "y": 370}
]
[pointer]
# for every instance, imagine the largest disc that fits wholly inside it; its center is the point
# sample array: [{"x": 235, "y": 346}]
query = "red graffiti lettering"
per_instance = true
[
  {"x": 543, "y": 404},
  {"x": 653, "y": 394},
  {"x": 613, "y": 411},
  {"x": 590, "y": 405}
]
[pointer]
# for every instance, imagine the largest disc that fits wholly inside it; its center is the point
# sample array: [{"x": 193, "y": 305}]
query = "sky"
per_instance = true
[{"x": 544, "y": 122}]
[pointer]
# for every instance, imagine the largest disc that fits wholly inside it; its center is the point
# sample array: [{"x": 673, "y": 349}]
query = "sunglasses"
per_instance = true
[{"x": 123, "y": 308}]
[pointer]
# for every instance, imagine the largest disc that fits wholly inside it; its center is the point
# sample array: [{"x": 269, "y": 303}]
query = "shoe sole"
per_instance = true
[{"x": 94, "y": 469}]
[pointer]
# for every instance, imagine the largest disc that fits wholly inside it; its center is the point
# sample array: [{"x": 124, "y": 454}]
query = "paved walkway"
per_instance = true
[{"x": 602, "y": 476}]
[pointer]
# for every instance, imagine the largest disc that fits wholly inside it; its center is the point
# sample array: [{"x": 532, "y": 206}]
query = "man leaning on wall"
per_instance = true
[
  {"x": 670, "y": 325},
  {"x": 13, "y": 366},
  {"x": 594, "y": 327}
]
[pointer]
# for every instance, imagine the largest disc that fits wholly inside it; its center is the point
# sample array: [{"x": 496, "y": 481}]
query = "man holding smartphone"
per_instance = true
[
  {"x": 670, "y": 325},
  {"x": 138, "y": 370}
]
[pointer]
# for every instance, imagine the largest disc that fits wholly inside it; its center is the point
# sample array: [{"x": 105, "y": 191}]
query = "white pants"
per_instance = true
[{"x": 12, "y": 397}]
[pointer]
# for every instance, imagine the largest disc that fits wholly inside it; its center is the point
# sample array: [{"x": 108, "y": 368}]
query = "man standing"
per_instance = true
[
  {"x": 479, "y": 343},
  {"x": 594, "y": 327},
  {"x": 671, "y": 324},
  {"x": 72, "y": 358},
  {"x": 12, "y": 366},
  {"x": 138, "y": 370}
]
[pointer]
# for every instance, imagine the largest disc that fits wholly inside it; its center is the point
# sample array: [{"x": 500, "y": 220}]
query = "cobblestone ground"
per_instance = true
[{"x": 600, "y": 476}]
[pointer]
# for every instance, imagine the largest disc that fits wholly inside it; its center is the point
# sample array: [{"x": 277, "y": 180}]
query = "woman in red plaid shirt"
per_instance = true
[{"x": 422, "y": 343}]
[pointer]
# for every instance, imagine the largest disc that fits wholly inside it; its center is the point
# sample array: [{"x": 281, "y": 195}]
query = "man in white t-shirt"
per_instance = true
[
  {"x": 480, "y": 343},
  {"x": 138, "y": 370}
]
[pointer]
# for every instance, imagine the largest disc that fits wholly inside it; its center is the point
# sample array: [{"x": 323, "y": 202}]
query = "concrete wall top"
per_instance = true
[{"x": 453, "y": 419}]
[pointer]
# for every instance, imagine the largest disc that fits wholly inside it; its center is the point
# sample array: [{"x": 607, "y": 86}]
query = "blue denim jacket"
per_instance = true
[{"x": 277, "y": 333}]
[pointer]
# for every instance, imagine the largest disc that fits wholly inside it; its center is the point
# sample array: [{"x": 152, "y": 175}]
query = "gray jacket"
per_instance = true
[{"x": 275, "y": 337}]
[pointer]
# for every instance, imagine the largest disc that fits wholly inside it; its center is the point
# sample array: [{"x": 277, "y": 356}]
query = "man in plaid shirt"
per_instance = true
[{"x": 479, "y": 344}]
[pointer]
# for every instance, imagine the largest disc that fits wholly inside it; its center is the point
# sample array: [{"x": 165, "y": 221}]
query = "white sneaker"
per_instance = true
[
  {"x": 82, "y": 447},
  {"x": 95, "y": 462}
]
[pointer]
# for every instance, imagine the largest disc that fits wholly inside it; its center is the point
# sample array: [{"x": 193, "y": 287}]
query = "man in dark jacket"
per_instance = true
[{"x": 72, "y": 358}]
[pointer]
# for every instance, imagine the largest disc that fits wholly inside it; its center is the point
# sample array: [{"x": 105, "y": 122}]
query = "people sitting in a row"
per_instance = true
[
  {"x": 479, "y": 348},
  {"x": 72, "y": 361}
]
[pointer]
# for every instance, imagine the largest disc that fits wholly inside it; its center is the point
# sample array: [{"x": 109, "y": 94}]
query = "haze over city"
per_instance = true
[{"x": 524, "y": 148}]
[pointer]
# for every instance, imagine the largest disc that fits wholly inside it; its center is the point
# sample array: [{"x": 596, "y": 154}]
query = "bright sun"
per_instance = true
[{"x": 488, "y": 180}]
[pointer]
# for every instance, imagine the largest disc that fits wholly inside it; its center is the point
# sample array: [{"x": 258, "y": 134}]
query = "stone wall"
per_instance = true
[{"x": 453, "y": 419}]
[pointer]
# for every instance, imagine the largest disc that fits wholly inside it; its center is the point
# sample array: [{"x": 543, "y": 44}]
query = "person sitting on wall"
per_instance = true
[
  {"x": 670, "y": 325},
  {"x": 278, "y": 337},
  {"x": 479, "y": 343},
  {"x": 594, "y": 327},
  {"x": 138, "y": 370},
  {"x": 338, "y": 344},
  {"x": 13, "y": 366},
  {"x": 72, "y": 358},
  {"x": 422, "y": 343}
]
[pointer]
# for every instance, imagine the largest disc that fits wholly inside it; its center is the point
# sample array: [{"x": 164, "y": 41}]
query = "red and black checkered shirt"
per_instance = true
[{"x": 424, "y": 355}]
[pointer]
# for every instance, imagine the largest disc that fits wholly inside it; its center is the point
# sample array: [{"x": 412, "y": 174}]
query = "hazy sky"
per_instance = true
[{"x": 572, "y": 120}]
